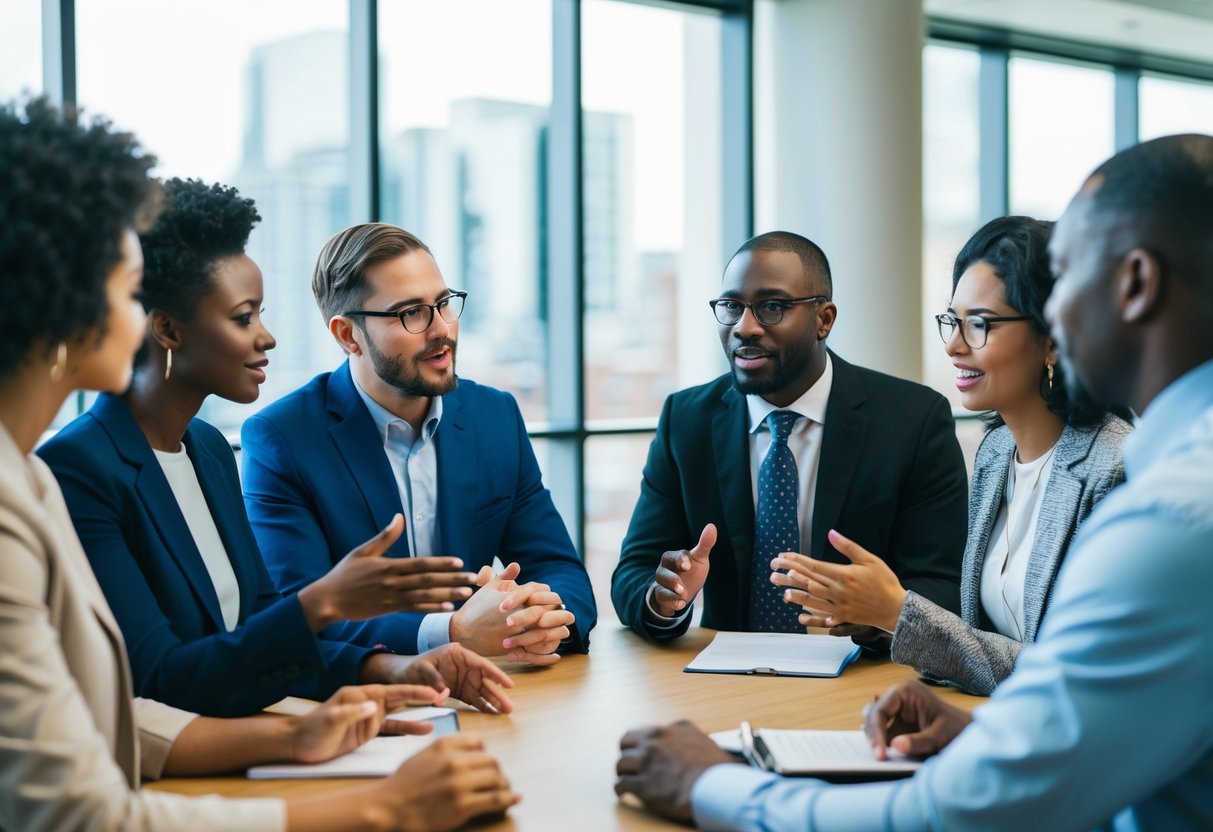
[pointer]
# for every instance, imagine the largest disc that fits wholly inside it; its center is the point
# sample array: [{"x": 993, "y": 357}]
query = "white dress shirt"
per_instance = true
[
  {"x": 804, "y": 443},
  {"x": 183, "y": 480},
  {"x": 413, "y": 459}
]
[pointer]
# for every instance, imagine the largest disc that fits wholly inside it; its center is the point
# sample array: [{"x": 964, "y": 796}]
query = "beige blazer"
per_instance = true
[{"x": 73, "y": 740}]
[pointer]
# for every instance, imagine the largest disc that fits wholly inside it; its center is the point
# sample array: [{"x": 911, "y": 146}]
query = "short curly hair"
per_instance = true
[
  {"x": 68, "y": 192},
  {"x": 200, "y": 224}
]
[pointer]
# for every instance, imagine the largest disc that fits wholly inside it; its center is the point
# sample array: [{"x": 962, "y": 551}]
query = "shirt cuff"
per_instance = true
[
  {"x": 658, "y": 621},
  {"x": 741, "y": 798},
  {"x": 435, "y": 631},
  {"x": 721, "y": 794},
  {"x": 159, "y": 726}
]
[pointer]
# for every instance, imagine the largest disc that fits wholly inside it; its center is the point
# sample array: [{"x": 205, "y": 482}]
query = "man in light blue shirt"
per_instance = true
[{"x": 1108, "y": 718}]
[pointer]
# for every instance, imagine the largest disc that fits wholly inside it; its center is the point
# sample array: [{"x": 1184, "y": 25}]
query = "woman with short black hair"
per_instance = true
[{"x": 155, "y": 497}]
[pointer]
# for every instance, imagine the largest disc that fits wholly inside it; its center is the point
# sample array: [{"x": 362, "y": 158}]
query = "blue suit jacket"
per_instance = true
[
  {"x": 156, "y": 582},
  {"x": 317, "y": 484}
]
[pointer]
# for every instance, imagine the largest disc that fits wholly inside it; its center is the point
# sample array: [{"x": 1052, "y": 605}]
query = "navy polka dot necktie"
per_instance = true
[{"x": 776, "y": 529}]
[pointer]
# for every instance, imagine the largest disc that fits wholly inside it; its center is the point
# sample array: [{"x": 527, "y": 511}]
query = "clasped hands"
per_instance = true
[
  {"x": 499, "y": 616},
  {"x": 660, "y": 765},
  {"x": 525, "y": 622}
]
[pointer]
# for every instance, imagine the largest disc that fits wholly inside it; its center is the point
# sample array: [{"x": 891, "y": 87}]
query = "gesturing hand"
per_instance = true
[
  {"x": 682, "y": 573},
  {"x": 864, "y": 592},
  {"x": 912, "y": 720},
  {"x": 365, "y": 583},
  {"x": 660, "y": 766},
  {"x": 353, "y": 715}
]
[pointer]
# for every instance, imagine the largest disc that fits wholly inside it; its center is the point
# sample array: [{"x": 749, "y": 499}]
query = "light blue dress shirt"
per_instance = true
[
  {"x": 1107, "y": 720},
  {"x": 414, "y": 462}
]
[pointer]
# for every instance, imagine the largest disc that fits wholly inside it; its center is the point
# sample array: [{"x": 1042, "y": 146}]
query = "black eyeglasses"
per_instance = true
[
  {"x": 414, "y": 318},
  {"x": 766, "y": 312},
  {"x": 974, "y": 329}
]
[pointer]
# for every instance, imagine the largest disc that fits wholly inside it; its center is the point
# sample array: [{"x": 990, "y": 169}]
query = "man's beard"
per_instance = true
[
  {"x": 392, "y": 371},
  {"x": 778, "y": 379}
]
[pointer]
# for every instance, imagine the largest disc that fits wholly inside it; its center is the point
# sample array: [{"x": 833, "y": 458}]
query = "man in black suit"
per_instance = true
[{"x": 872, "y": 456}]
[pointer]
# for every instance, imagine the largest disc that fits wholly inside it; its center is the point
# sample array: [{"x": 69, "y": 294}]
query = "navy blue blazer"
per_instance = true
[
  {"x": 891, "y": 477},
  {"x": 317, "y": 483},
  {"x": 156, "y": 582}
]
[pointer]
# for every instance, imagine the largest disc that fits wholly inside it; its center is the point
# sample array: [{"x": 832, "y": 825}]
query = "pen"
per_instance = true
[{"x": 747, "y": 745}]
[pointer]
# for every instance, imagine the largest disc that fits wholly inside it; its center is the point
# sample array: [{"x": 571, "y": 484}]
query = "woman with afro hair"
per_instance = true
[
  {"x": 155, "y": 496},
  {"x": 74, "y": 742}
]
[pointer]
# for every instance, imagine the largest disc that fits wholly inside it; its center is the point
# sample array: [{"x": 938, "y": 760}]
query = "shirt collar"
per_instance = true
[
  {"x": 811, "y": 405},
  {"x": 1167, "y": 421},
  {"x": 384, "y": 418}
]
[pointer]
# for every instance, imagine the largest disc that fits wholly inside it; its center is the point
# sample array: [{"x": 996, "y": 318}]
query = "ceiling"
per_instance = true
[{"x": 1174, "y": 28}]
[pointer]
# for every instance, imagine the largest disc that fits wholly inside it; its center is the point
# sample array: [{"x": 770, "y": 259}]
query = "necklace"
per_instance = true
[{"x": 1022, "y": 521}]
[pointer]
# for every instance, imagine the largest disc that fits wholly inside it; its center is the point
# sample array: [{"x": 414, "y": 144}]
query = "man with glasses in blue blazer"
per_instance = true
[{"x": 392, "y": 432}]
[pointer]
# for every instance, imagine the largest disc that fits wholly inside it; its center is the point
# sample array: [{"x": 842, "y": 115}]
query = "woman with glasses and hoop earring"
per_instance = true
[{"x": 1048, "y": 456}]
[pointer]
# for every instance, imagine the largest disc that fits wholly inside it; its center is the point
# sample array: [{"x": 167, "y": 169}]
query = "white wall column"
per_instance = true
[{"x": 838, "y": 158}]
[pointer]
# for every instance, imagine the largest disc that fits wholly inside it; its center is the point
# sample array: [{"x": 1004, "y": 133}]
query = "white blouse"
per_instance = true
[{"x": 1010, "y": 546}]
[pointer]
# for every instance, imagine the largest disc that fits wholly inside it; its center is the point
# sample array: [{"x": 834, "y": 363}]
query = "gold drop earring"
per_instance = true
[
  {"x": 168, "y": 365},
  {"x": 59, "y": 368}
]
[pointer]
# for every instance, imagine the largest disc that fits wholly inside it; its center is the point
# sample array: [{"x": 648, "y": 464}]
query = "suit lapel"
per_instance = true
[
  {"x": 841, "y": 444},
  {"x": 358, "y": 442},
  {"x": 989, "y": 483},
  {"x": 227, "y": 510},
  {"x": 154, "y": 492},
  {"x": 457, "y": 465},
  {"x": 1054, "y": 526},
  {"x": 731, "y": 451}
]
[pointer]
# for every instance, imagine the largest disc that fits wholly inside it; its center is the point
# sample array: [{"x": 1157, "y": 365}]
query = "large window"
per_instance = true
[
  {"x": 1061, "y": 127},
  {"x": 652, "y": 192},
  {"x": 464, "y": 114},
  {"x": 653, "y": 201},
  {"x": 1172, "y": 105},
  {"x": 262, "y": 105},
  {"x": 951, "y": 196},
  {"x": 587, "y": 221},
  {"x": 21, "y": 50}
]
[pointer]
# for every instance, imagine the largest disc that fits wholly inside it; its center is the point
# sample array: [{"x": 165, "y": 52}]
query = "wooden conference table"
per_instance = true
[{"x": 559, "y": 746}]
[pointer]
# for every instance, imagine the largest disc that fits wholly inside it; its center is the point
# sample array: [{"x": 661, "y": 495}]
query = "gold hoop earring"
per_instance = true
[
  {"x": 168, "y": 364},
  {"x": 1049, "y": 366},
  {"x": 59, "y": 368}
]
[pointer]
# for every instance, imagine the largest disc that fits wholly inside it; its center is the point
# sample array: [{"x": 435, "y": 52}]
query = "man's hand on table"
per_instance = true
[{"x": 660, "y": 766}]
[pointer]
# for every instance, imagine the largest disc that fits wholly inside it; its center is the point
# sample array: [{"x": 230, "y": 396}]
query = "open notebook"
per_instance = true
[
  {"x": 829, "y": 754},
  {"x": 775, "y": 654},
  {"x": 379, "y": 757}
]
